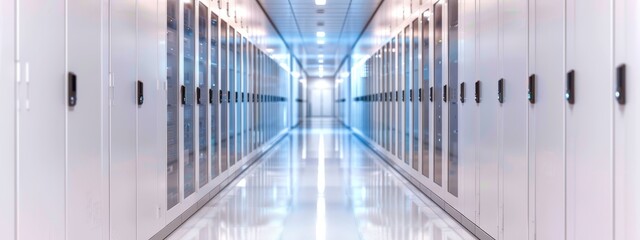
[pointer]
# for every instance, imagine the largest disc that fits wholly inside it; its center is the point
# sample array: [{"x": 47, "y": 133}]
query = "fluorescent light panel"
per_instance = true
[
  {"x": 320, "y": 34},
  {"x": 321, "y": 2}
]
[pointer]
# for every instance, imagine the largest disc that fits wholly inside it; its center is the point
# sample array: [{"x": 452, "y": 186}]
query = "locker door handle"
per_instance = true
[
  {"x": 198, "y": 95},
  {"x": 397, "y": 95},
  {"x": 242, "y": 97},
  {"x": 220, "y": 95},
  {"x": 236, "y": 96},
  {"x": 410, "y": 95},
  {"x": 420, "y": 95},
  {"x": 501, "y": 90},
  {"x": 229, "y": 96},
  {"x": 140, "y": 93},
  {"x": 621, "y": 89},
  {"x": 430, "y": 94},
  {"x": 531, "y": 93},
  {"x": 477, "y": 91},
  {"x": 403, "y": 93},
  {"x": 183, "y": 95},
  {"x": 462, "y": 92},
  {"x": 210, "y": 96},
  {"x": 444, "y": 93},
  {"x": 570, "y": 88},
  {"x": 72, "y": 89}
]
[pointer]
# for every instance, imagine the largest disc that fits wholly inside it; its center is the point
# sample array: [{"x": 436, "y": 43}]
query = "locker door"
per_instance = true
[
  {"x": 42, "y": 107},
  {"x": 546, "y": 121},
  {"x": 487, "y": 134},
  {"x": 8, "y": 123},
  {"x": 588, "y": 123},
  {"x": 151, "y": 119},
  {"x": 626, "y": 130},
  {"x": 122, "y": 124},
  {"x": 85, "y": 174},
  {"x": 514, "y": 119},
  {"x": 173, "y": 101}
]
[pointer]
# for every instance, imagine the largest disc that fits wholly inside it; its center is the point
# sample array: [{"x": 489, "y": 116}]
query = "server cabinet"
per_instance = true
[
  {"x": 407, "y": 95},
  {"x": 386, "y": 139},
  {"x": 41, "y": 80},
  {"x": 425, "y": 110},
  {"x": 202, "y": 95},
  {"x": 188, "y": 98},
  {"x": 514, "y": 120},
  {"x": 224, "y": 97},
  {"x": 214, "y": 72},
  {"x": 452, "y": 98},
  {"x": 85, "y": 81},
  {"x": 8, "y": 123},
  {"x": 151, "y": 118},
  {"x": 415, "y": 94},
  {"x": 232, "y": 95},
  {"x": 546, "y": 119},
  {"x": 393, "y": 79},
  {"x": 172, "y": 93},
  {"x": 438, "y": 91},
  {"x": 588, "y": 119},
  {"x": 122, "y": 120},
  {"x": 245, "y": 80},
  {"x": 468, "y": 110},
  {"x": 626, "y": 131},
  {"x": 488, "y": 50}
]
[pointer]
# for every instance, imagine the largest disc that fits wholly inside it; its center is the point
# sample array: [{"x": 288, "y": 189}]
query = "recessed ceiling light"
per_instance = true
[
  {"x": 270, "y": 50},
  {"x": 321, "y": 41},
  {"x": 321, "y": 2},
  {"x": 321, "y": 56},
  {"x": 321, "y": 61},
  {"x": 320, "y": 34}
]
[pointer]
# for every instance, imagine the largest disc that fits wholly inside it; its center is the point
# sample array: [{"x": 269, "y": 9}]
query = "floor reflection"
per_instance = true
[{"x": 320, "y": 183}]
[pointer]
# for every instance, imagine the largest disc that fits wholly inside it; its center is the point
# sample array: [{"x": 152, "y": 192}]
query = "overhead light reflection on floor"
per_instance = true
[{"x": 321, "y": 225}]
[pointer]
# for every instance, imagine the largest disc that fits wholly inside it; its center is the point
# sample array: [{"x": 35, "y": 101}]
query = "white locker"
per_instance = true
[
  {"x": 7, "y": 124},
  {"x": 42, "y": 108},
  {"x": 589, "y": 121},
  {"x": 86, "y": 75},
  {"x": 122, "y": 117},
  {"x": 488, "y": 50},
  {"x": 626, "y": 130},
  {"x": 546, "y": 120},
  {"x": 513, "y": 112},
  {"x": 151, "y": 118}
]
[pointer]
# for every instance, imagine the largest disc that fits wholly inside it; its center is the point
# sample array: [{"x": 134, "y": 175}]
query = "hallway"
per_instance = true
[{"x": 320, "y": 182}]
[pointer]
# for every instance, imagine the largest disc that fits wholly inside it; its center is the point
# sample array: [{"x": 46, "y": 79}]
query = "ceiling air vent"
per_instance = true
[
  {"x": 320, "y": 24},
  {"x": 320, "y": 11}
]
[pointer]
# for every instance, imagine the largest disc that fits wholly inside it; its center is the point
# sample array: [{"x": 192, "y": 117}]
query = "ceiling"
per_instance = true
[{"x": 299, "y": 21}]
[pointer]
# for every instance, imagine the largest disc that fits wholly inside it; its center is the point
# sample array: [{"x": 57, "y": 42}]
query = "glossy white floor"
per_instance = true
[{"x": 320, "y": 182}]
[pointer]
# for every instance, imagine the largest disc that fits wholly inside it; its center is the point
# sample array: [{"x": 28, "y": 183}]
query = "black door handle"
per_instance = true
[
  {"x": 570, "y": 88},
  {"x": 140, "y": 93},
  {"x": 462, "y": 92},
  {"x": 621, "y": 89},
  {"x": 210, "y": 95},
  {"x": 477, "y": 91},
  {"x": 430, "y": 94},
  {"x": 198, "y": 95},
  {"x": 444, "y": 93},
  {"x": 183, "y": 94},
  {"x": 531, "y": 93},
  {"x": 420, "y": 95},
  {"x": 501, "y": 90},
  {"x": 72, "y": 89}
]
